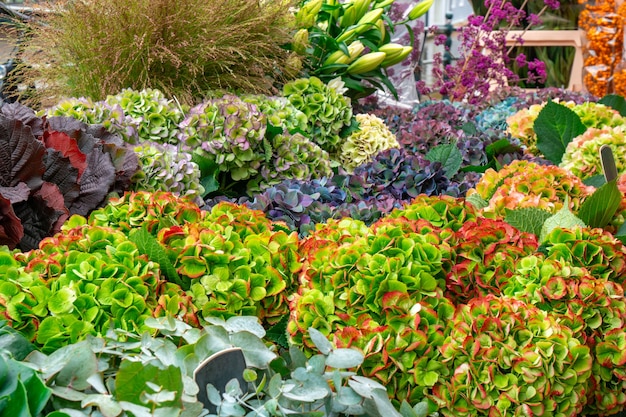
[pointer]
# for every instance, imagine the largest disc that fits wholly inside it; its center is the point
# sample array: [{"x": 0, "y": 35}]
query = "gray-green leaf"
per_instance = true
[{"x": 527, "y": 219}]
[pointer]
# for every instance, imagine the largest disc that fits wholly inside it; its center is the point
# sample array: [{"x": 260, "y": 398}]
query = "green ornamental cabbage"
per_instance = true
[{"x": 372, "y": 137}]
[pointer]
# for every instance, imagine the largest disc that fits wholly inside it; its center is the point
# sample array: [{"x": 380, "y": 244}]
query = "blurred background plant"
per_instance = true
[{"x": 558, "y": 60}]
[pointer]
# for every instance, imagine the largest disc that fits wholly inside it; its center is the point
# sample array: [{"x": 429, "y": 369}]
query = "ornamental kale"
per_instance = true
[{"x": 53, "y": 168}]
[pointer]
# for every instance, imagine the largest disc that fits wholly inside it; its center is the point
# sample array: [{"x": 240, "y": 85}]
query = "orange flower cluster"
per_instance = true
[
  {"x": 619, "y": 78},
  {"x": 603, "y": 27}
]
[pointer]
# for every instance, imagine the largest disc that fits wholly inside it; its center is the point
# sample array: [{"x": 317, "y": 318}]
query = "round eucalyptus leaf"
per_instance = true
[{"x": 344, "y": 358}]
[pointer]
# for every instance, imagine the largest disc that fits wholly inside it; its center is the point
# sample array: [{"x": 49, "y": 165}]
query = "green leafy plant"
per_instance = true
[
  {"x": 154, "y": 117},
  {"x": 167, "y": 168},
  {"x": 556, "y": 126},
  {"x": 152, "y": 211},
  {"x": 581, "y": 154},
  {"x": 333, "y": 37},
  {"x": 592, "y": 307},
  {"x": 98, "y": 48},
  {"x": 229, "y": 133},
  {"x": 442, "y": 211},
  {"x": 292, "y": 157},
  {"x": 484, "y": 254},
  {"x": 526, "y": 184},
  {"x": 380, "y": 291},
  {"x": 233, "y": 263}
]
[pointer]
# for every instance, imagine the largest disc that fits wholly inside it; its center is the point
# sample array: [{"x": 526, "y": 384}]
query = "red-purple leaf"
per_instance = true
[
  {"x": 38, "y": 217},
  {"x": 21, "y": 155},
  {"x": 60, "y": 171},
  {"x": 11, "y": 230},
  {"x": 17, "y": 111},
  {"x": 68, "y": 148},
  {"x": 53, "y": 197},
  {"x": 15, "y": 194},
  {"x": 95, "y": 183}
]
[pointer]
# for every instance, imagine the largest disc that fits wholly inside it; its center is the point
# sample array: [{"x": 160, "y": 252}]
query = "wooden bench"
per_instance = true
[{"x": 555, "y": 38}]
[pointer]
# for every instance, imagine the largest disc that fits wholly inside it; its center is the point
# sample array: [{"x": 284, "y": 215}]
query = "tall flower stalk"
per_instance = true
[{"x": 482, "y": 65}]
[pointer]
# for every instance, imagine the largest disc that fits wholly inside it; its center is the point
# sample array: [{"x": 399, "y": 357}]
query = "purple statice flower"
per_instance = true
[{"x": 483, "y": 57}]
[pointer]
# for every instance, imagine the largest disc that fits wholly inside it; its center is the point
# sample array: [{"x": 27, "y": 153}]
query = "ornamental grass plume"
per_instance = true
[
  {"x": 483, "y": 56},
  {"x": 185, "y": 48}
]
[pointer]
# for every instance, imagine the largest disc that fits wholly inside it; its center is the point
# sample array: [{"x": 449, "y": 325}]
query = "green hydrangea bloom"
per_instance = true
[
  {"x": 362, "y": 145},
  {"x": 327, "y": 109},
  {"x": 155, "y": 118},
  {"x": 582, "y": 155},
  {"x": 167, "y": 168}
]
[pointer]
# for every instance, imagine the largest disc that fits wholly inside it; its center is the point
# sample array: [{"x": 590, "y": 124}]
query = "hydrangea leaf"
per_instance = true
[
  {"x": 600, "y": 207},
  {"x": 621, "y": 233},
  {"x": 134, "y": 378},
  {"x": 148, "y": 245},
  {"x": 527, "y": 219},
  {"x": 208, "y": 171},
  {"x": 449, "y": 156},
  {"x": 563, "y": 218},
  {"x": 616, "y": 102},
  {"x": 278, "y": 332},
  {"x": 595, "y": 181},
  {"x": 556, "y": 126},
  {"x": 477, "y": 201}
]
